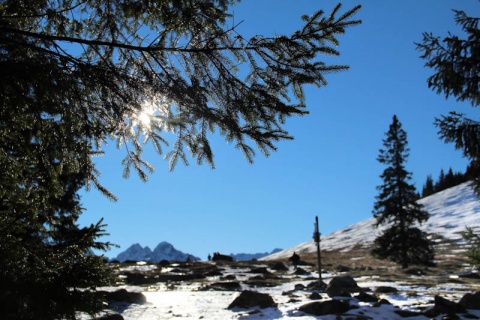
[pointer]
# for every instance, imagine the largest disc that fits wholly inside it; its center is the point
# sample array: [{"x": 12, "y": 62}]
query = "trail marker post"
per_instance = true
[{"x": 316, "y": 238}]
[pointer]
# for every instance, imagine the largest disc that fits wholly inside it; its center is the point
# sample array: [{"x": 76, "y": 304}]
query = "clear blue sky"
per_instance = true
[{"x": 329, "y": 170}]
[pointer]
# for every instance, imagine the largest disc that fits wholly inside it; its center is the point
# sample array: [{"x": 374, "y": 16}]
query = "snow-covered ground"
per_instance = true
[
  {"x": 450, "y": 212},
  {"x": 185, "y": 302}
]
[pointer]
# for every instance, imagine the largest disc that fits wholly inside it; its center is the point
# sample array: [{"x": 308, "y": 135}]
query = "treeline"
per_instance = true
[{"x": 448, "y": 180}]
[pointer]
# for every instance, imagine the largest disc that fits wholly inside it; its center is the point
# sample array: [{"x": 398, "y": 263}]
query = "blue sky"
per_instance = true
[{"x": 329, "y": 170}]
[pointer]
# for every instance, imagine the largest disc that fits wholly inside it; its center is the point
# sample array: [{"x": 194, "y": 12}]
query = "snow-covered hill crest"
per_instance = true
[{"x": 450, "y": 212}]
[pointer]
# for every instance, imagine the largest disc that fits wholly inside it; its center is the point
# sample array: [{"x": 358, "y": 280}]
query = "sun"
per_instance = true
[
  {"x": 144, "y": 118},
  {"x": 151, "y": 116}
]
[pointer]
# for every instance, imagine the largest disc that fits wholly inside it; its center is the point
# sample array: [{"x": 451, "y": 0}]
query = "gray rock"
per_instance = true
[
  {"x": 386, "y": 290},
  {"x": 443, "y": 306},
  {"x": 342, "y": 287},
  {"x": 326, "y": 307},
  {"x": 346, "y": 282},
  {"x": 471, "y": 301},
  {"x": 365, "y": 297},
  {"x": 123, "y": 295},
  {"x": 249, "y": 299}
]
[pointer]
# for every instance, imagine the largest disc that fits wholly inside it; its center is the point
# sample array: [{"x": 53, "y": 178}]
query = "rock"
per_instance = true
[
  {"x": 229, "y": 277},
  {"x": 279, "y": 266},
  {"x": 386, "y": 290},
  {"x": 470, "y": 301},
  {"x": 301, "y": 272},
  {"x": 222, "y": 286},
  {"x": 470, "y": 275},
  {"x": 262, "y": 270},
  {"x": 112, "y": 316},
  {"x": 342, "y": 287},
  {"x": 346, "y": 282},
  {"x": 337, "y": 292},
  {"x": 317, "y": 285},
  {"x": 315, "y": 296},
  {"x": 381, "y": 302},
  {"x": 299, "y": 286},
  {"x": 249, "y": 299},
  {"x": 123, "y": 295},
  {"x": 205, "y": 270},
  {"x": 260, "y": 281},
  {"x": 341, "y": 268},
  {"x": 443, "y": 306},
  {"x": 326, "y": 307},
  {"x": 365, "y": 297}
]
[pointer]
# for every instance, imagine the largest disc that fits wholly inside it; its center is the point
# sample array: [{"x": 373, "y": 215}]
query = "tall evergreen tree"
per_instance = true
[
  {"x": 74, "y": 73},
  {"x": 456, "y": 67},
  {"x": 428, "y": 188},
  {"x": 472, "y": 238},
  {"x": 396, "y": 206},
  {"x": 47, "y": 270}
]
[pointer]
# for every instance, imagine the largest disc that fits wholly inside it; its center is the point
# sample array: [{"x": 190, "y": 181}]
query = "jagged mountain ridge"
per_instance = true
[
  {"x": 450, "y": 210},
  {"x": 163, "y": 251}
]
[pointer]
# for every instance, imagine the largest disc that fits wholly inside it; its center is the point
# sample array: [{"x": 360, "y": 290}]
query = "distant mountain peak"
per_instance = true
[
  {"x": 163, "y": 251},
  {"x": 252, "y": 256}
]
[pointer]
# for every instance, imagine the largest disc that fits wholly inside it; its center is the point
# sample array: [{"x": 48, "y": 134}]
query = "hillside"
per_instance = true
[{"x": 450, "y": 212}]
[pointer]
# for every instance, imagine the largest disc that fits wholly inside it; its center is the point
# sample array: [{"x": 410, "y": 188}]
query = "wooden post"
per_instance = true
[{"x": 316, "y": 238}]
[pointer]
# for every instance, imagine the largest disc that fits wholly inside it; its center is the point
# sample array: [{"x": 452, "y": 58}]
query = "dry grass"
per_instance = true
[{"x": 451, "y": 263}]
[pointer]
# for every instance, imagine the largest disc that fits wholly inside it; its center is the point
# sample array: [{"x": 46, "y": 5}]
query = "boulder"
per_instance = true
[
  {"x": 337, "y": 292},
  {"x": 381, "y": 302},
  {"x": 262, "y": 270},
  {"x": 279, "y": 266},
  {"x": 470, "y": 275},
  {"x": 322, "y": 308},
  {"x": 470, "y": 301},
  {"x": 386, "y": 290},
  {"x": 315, "y": 296},
  {"x": 249, "y": 299},
  {"x": 443, "y": 306},
  {"x": 301, "y": 272},
  {"x": 346, "y": 282},
  {"x": 341, "y": 268},
  {"x": 342, "y": 287},
  {"x": 299, "y": 286},
  {"x": 317, "y": 285},
  {"x": 123, "y": 295},
  {"x": 365, "y": 297}
]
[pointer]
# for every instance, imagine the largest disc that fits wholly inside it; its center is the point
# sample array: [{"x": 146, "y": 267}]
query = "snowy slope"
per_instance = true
[{"x": 450, "y": 212}]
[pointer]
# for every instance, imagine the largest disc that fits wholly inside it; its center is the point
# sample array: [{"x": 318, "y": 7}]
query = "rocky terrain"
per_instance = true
[{"x": 275, "y": 290}]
